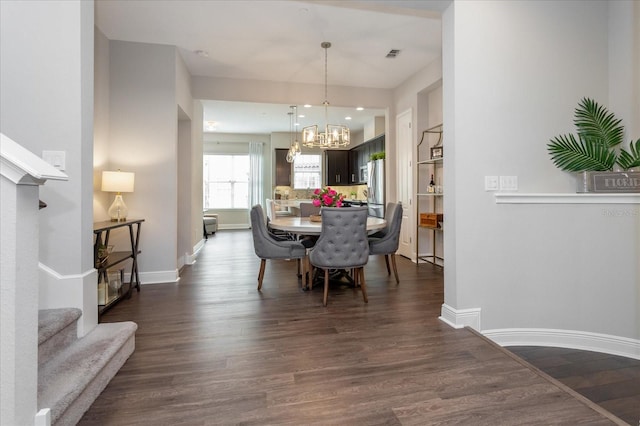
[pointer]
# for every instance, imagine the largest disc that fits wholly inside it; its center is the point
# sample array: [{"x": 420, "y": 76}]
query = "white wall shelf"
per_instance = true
[{"x": 586, "y": 198}]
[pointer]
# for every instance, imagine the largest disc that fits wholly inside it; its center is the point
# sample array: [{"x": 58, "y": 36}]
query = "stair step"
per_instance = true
[
  {"x": 57, "y": 328},
  {"x": 72, "y": 379}
]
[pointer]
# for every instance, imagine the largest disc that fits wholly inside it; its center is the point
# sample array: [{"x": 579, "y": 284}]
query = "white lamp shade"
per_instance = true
[{"x": 117, "y": 181}]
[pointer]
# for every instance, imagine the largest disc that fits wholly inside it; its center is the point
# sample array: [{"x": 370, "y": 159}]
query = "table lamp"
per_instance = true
[{"x": 118, "y": 182}]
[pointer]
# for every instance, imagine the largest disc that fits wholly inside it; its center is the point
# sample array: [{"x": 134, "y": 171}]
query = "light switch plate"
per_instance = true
[
  {"x": 508, "y": 183},
  {"x": 491, "y": 183},
  {"x": 56, "y": 158}
]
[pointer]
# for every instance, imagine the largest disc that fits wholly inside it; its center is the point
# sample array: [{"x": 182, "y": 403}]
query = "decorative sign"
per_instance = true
[{"x": 617, "y": 182}]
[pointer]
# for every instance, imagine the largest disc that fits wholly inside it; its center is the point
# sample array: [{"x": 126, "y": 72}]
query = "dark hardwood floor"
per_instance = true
[
  {"x": 613, "y": 382},
  {"x": 213, "y": 350}
]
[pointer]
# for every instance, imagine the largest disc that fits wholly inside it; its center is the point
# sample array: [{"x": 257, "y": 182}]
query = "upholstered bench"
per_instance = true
[{"x": 209, "y": 223}]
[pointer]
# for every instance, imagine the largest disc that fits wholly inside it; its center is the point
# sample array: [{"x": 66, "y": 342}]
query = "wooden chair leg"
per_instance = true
[
  {"x": 263, "y": 262},
  {"x": 363, "y": 285},
  {"x": 386, "y": 260},
  {"x": 303, "y": 262},
  {"x": 395, "y": 268},
  {"x": 326, "y": 286},
  {"x": 311, "y": 277}
]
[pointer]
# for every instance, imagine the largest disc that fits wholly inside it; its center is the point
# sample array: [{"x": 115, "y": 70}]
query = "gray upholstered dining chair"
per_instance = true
[
  {"x": 307, "y": 209},
  {"x": 342, "y": 244},
  {"x": 268, "y": 246},
  {"x": 388, "y": 214},
  {"x": 387, "y": 244}
]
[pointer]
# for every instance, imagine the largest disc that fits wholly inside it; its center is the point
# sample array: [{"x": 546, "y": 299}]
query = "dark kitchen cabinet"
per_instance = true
[
  {"x": 283, "y": 168},
  {"x": 360, "y": 156},
  {"x": 355, "y": 163},
  {"x": 337, "y": 167}
]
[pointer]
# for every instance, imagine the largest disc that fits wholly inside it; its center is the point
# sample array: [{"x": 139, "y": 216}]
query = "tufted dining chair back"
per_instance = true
[
  {"x": 342, "y": 244},
  {"x": 268, "y": 247}
]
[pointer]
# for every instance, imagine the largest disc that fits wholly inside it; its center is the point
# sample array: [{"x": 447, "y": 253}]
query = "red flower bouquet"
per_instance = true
[{"x": 327, "y": 197}]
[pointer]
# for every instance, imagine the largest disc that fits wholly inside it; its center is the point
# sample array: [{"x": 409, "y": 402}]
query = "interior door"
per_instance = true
[{"x": 405, "y": 182}]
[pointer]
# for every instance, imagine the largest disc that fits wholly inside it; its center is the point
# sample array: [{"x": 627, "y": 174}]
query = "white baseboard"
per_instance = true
[
  {"x": 234, "y": 226},
  {"x": 199, "y": 246},
  {"x": 190, "y": 258},
  {"x": 582, "y": 340},
  {"x": 460, "y": 318},
  {"x": 70, "y": 291},
  {"x": 156, "y": 277}
]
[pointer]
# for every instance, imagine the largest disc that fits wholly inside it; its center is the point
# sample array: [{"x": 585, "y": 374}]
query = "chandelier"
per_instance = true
[
  {"x": 294, "y": 145},
  {"x": 334, "y": 136}
]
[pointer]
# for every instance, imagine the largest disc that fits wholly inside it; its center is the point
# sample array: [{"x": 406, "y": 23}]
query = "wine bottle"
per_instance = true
[{"x": 432, "y": 185}]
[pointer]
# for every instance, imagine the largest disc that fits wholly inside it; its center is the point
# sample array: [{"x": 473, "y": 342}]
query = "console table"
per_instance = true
[{"x": 102, "y": 231}]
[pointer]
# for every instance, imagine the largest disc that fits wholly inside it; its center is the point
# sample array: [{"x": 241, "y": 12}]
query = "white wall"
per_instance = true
[
  {"x": 185, "y": 223},
  {"x": 286, "y": 93},
  {"x": 514, "y": 72},
  {"x": 189, "y": 220},
  {"x": 47, "y": 104},
  {"x": 196, "y": 174},
  {"x": 101, "y": 200},
  {"x": 143, "y": 120},
  {"x": 624, "y": 80}
]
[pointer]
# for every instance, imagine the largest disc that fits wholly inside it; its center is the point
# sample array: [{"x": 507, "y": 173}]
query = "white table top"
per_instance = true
[{"x": 303, "y": 225}]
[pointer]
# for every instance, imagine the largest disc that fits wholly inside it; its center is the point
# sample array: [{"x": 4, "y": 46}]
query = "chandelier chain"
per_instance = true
[
  {"x": 326, "y": 72},
  {"x": 332, "y": 136}
]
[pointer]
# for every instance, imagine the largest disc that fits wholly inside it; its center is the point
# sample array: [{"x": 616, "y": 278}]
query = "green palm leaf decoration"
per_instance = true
[
  {"x": 572, "y": 155},
  {"x": 595, "y": 123},
  {"x": 628, "y": 160},
  {"x": 598, "y": 133}
]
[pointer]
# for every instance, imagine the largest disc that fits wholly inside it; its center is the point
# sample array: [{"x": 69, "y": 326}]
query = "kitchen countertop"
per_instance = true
[{"x": 296, "y": 202}]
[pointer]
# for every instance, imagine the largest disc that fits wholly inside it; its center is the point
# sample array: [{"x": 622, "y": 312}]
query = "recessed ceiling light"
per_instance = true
[
  {"x": 347, "y": 118},
  {"x": 300, "y": 115},
  {"x": 359, "y": 109},
  {"x": 307, "y": 106}
]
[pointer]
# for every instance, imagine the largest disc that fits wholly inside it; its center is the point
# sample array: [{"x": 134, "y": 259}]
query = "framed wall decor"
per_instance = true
[{"x": 436, "y": 152}]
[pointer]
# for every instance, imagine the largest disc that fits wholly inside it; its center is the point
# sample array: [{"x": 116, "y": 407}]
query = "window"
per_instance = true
[
  {"x": 307, "y": 172},
  {"x": 226, "y": 181}
]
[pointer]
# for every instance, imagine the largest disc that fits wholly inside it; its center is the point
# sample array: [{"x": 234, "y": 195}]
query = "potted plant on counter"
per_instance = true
[{"x": 593, "y": 154}]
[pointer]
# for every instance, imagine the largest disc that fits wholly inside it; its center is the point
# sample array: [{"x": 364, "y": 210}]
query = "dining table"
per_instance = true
[{"x": 304, "y": 226}]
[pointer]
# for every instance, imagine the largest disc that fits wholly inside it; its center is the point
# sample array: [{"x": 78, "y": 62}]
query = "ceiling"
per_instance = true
[{"x": 280, "y": 41}]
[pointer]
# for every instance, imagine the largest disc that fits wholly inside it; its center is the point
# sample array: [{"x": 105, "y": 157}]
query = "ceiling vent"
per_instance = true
[{"x": 393, "y": 53}]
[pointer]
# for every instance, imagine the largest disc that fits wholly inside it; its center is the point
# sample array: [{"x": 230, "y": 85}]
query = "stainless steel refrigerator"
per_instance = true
[{"x": 375, "y": 188}]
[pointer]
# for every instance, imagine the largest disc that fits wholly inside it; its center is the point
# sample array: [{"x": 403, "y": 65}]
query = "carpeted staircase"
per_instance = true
[{"x": 72, "y": 372}]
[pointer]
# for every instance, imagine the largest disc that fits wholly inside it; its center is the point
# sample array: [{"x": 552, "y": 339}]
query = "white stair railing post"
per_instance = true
[{"x": 22, "y": 172}]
